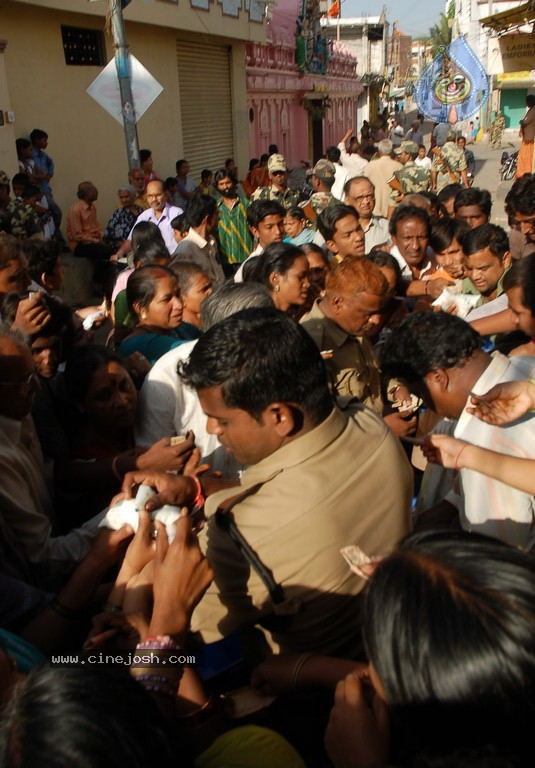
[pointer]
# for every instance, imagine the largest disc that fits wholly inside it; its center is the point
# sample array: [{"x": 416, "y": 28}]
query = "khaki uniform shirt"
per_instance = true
[
  {"x": 353, "y": 369},
  {"x": 344, "y": 482}
]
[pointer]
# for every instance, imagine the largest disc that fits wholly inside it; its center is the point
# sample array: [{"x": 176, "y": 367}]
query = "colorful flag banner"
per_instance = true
[{"x": 454, "y": 86}]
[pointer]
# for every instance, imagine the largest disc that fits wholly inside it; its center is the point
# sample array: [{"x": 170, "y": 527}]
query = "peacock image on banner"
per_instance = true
[{"x": 454, "y": 86}]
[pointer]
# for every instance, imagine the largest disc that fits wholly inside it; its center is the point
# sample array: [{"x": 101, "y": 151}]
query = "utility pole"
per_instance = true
[{"x": 122, "y": 62}]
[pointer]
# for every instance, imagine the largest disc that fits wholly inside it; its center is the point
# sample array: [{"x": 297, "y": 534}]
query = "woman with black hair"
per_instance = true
[
  {"x": 153, "y": 297},
  {"x": 295, "y": 226},
  {"x": 283, "y": 270},
  {"x": 448, "y": 627},
  {"x": 99, "y": 413}
]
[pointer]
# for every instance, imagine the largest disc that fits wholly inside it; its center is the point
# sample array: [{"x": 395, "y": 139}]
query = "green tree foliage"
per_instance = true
[{"x": 440, "y": 33}]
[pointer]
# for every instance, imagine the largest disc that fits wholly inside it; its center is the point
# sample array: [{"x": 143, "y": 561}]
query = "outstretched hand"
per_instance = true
[
  {"x": 444, "y": 450},
  {"x": 181, "y": 577},
  {"x": 504, "y": 402},
  {"x": 170, "y": 489},
  {"x": 165, "y": 456}
]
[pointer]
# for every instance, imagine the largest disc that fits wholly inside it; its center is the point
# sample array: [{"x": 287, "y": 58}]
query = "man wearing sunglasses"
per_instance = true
[{"x": 278, "y": 189}]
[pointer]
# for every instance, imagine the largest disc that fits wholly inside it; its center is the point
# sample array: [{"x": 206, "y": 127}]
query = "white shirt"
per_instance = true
[
  {"x": 167, "y": 407},
  {"x": 486, "y": 505},
  {"x": 423, "y": 162},
  {"x": 353, "y": 163},
  {"x": 339, "y": 181},
  {"x": 489, "y": 308},
  {"x": 163, "y": 222},
  {"x": 238, "y": 277},
  {"x": 406, "y": 272},
  {"x": 376, "y": 233}
]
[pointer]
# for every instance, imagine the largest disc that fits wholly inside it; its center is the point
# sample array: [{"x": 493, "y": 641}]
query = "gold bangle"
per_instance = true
[{"x": 299, "y": 664}]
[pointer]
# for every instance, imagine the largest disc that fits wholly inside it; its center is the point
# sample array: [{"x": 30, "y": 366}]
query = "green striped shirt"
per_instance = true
[{"x": 235, "y": 239}]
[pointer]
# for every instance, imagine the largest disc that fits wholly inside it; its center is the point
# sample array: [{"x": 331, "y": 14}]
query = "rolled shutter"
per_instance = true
[{"x": 206, "y": 104}]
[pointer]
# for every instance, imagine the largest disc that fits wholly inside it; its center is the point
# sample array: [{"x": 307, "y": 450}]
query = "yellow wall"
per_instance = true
[
  {"x": 167, "y": 13},
  {"x": 8, "y": 159},
  {"x": 85, "y": 142}
]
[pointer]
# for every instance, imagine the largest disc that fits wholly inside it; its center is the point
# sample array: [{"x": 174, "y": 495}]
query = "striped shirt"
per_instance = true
[{"x": 235, "y": 239}]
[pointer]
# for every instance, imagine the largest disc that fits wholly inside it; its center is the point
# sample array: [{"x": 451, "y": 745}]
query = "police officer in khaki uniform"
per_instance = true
[
  {"x": 354, "y": 292},
  {"x": 317, "y": 480}
]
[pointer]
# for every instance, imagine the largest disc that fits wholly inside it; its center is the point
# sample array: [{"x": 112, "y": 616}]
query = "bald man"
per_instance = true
[{"x": 159, "y": 213}]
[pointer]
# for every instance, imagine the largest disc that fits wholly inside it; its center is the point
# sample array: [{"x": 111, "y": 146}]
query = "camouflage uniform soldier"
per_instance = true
[
  {"x": 497, "y": 131},
  {"x": 449, "y": 164},
  {"x": 411, "y": 178},
  {"x": 278, "y": 189},
  {"x": 322, "y": 180},
  {"x": 25, "y": 222}
]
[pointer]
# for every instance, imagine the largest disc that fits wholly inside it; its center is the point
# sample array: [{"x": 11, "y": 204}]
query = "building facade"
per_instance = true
[
  {"x": 52, "y": 50},
  {"x": 302, "y": 89},
  {"x": 366, "y": 38}
]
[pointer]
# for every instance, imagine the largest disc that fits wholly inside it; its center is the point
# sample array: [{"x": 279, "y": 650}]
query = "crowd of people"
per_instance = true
[{"x": 281, "y": 471}]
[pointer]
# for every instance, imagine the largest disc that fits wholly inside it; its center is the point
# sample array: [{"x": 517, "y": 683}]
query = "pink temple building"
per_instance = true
[{"x": 302, "y": 90}]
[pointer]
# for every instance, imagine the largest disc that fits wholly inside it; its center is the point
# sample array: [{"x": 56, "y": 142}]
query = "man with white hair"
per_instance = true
[{"x": 379, "y": 171}]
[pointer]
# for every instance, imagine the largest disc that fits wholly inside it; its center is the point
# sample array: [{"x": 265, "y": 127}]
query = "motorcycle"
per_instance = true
[{"x": 509, "y": 162}]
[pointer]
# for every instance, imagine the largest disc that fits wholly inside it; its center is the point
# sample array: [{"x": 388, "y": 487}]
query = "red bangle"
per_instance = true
[{"x": 199, "y": 499}]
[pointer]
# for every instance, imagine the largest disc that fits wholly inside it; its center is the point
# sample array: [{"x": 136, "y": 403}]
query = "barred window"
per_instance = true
[{"x": 83, "y": 47}]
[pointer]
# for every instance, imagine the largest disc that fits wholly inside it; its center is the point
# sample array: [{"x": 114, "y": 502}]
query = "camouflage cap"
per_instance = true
[
  {"x": 4, "y": 178},
  {"x": 411, "y": 147},
  {"x": 276, "y": 163},
  {"x": 324, "y": 170},
  {"x": 452, "y": 135}
]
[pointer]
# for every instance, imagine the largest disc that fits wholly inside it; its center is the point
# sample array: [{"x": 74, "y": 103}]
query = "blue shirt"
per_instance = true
[{"x": 45, "y": 164}]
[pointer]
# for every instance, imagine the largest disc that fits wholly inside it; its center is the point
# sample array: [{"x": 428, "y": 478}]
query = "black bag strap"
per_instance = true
[{"x": 225, "y": 520}]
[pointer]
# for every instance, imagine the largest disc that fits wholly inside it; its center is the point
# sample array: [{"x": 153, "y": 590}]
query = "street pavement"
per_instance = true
[
  {"x": 487, "y": 172},
  {"x": 487, "y": 175}
]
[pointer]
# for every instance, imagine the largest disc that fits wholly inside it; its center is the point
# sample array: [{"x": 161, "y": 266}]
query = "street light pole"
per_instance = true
[{"x": 122, "y": 62}]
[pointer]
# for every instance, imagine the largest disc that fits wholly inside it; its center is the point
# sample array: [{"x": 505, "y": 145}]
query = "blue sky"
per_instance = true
[{"x": 414, "y": 17}]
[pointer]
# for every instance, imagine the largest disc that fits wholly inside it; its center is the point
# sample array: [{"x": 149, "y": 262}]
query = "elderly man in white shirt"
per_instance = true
[
  {"x": 359, "y": 193},
  {"x": 160, "y": 213}
]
